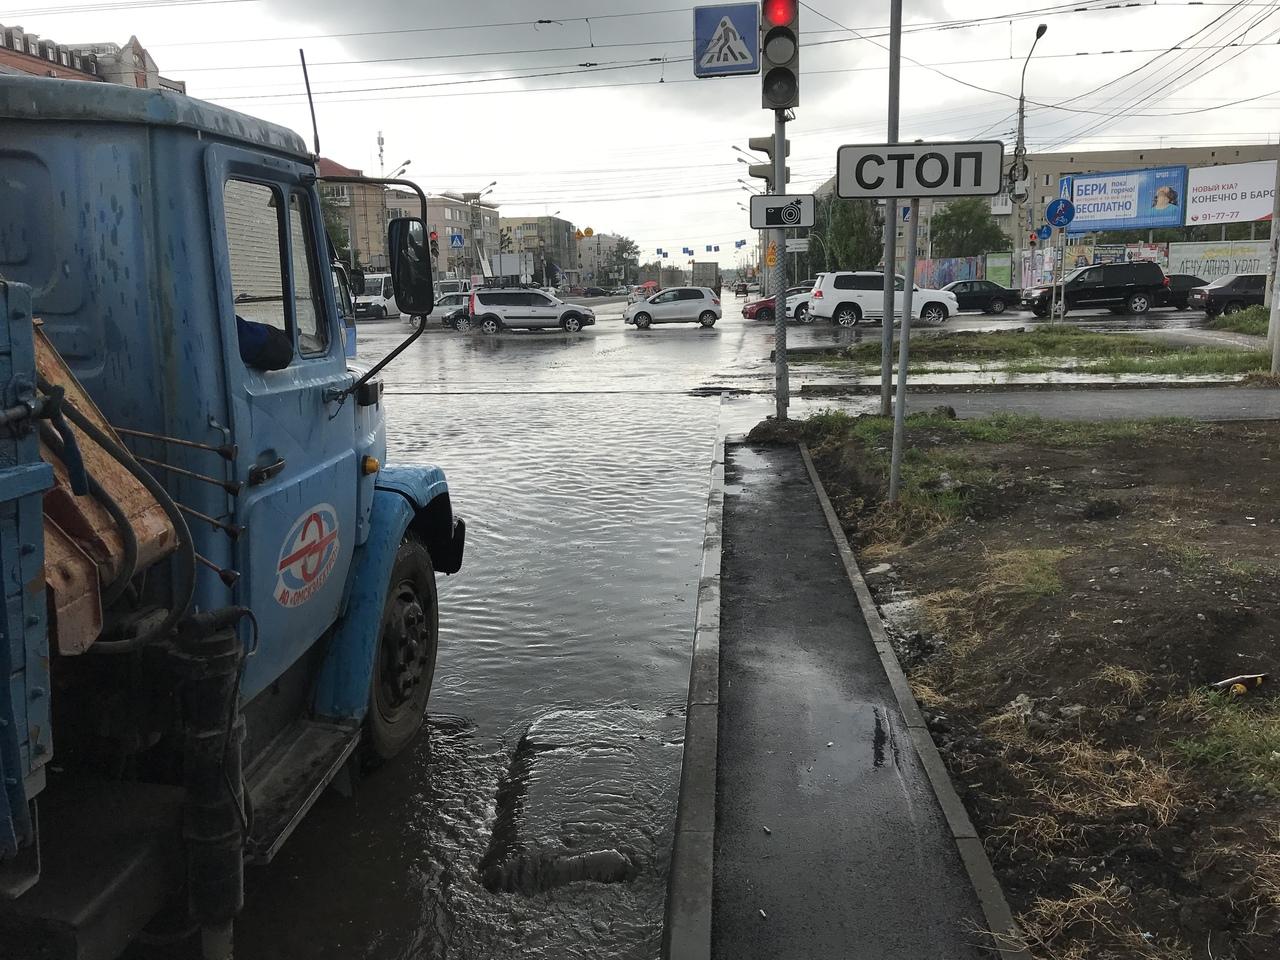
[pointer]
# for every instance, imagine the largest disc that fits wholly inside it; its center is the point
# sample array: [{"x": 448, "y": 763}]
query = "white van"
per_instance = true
[{"x": 378, "y": 299}]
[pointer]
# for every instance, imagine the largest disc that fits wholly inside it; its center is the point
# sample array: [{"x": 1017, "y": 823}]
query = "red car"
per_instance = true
[{"x": 761, "y": 310}]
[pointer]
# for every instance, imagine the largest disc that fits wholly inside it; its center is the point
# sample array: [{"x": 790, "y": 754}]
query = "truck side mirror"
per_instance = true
[{"x": 410, "y": 265}]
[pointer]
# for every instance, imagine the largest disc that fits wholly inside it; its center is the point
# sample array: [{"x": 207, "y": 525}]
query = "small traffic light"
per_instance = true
[
  {"x": 764, "y": 171},
  {"x": 435, "y": 245},
  {"x": 780, "y": 54}
]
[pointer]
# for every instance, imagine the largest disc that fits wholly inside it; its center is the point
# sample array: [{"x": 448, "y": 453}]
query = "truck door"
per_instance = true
[{"x": 296, "y": 443}]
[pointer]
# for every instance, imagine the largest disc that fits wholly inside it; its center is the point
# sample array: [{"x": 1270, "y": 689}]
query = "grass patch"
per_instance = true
[
  {"x": 1252, "y": 320},
  {"x": 1058, "y": 347},
  {"x": 1240, "y": 738},
  {"x": 1023, "y": 574},
  {"x": 1130, "y": 684}
]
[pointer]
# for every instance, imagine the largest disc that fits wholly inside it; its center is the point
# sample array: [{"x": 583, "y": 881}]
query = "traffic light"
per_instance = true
[
  {"x": 435, "y": 245},
  {"x": 764, "y": 171},
  {"x": 780, "y": 54}
]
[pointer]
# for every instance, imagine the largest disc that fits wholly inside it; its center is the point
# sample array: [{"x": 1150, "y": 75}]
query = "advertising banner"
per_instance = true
[
  {"x": 1000, "y": 268},
  {"x": 1231, "y": 193},
  {"x": 1208, "y": 261},
  {"x": 936, "y": 273},
  {"x": 1128, "y": 199}
]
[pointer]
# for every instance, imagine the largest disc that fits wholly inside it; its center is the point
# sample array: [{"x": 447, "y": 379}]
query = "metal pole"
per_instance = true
[
  {"x": 904, "y": 343},
  {"x": 781, "y": 386},
  {"x": 1273, "y": 328},
  {"x": 890, "y": 209}
]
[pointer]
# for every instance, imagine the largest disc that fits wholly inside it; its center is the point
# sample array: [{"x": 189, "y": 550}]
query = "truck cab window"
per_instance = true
[
  {"x": 313, "y": 332},
  {"x": 253, "y": 242}
]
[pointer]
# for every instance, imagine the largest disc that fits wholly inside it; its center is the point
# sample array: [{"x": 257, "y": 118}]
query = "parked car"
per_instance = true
[
  {"x": 676, "y": 305},
  {"x": 985, "y": 295},
  {"x": 798, "y": 306},
  {"x": 1133, "y": 287},
  {"x": 1178, "y": 292},
  {"x": 763, "y": 308},
  {"x": 846, "y": 298},
  {"x": 378, "y": 299},
  {"x": 447, "y": 305},
  {"x": 1229, "y": 294},
  {"x": 619, "y": 292},
  {"x": 753, "y": 287},
  {"x": 495, "y": 308},
  {"x": 594, "y": 292}
]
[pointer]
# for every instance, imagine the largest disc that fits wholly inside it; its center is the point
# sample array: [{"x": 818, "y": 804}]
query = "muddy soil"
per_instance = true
[{"x": 1063, "y": 597}]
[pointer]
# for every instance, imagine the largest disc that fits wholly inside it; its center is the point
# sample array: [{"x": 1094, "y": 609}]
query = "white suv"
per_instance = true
[
  {"x": 846, "y": 298},
  {"x": 676, "y": 305},
  {"x": 493, "y": 308}
]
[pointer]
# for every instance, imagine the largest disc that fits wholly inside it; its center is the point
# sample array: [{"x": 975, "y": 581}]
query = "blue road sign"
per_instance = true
[
  {"x": 1060, "y": 212},
  {"x": 1044, "y": 233},
  {"x": 726, "y": 40},
  {"x": 456, "y": 241}
]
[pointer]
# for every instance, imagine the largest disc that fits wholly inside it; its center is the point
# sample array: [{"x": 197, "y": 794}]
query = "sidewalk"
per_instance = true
[{"x": 858, "y": 859}]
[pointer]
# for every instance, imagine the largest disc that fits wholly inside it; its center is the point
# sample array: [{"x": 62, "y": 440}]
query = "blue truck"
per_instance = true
[{"x": 218, "y": 597}]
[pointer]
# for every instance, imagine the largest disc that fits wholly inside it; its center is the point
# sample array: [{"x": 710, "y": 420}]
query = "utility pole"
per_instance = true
[
  {"x": 1019, "y": 190},
  {"x": 1272, "y": 296},
  {"x": 890, "y": 210}
]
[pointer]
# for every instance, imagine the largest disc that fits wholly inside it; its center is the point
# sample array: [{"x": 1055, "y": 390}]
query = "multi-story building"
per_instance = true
[
  {"x": 130, "y": 65},
  {"x": 1018, "y": 220},
  {"x": 450, "y": 217},
  {"x": 597, "y": 258},
  {"x": 364, "y": 214},
  {"x": 548, "y": 238}
]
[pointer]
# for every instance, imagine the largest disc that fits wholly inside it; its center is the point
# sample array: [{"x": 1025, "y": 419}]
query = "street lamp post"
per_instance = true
[{"x": 1018, "y": 186}]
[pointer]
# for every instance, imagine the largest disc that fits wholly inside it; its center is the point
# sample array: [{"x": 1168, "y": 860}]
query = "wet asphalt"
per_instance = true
[
  {"x": 829, "y": 841},
  {"x": 580, "y": 462}
]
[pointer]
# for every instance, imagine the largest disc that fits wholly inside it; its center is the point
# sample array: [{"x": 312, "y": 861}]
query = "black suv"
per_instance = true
[
  {"x": 1229, "y": 294},
  {"x": 1133, "y": 287}
]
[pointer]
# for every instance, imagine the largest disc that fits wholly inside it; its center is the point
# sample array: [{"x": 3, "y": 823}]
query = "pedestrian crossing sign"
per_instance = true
[{"x": 726, "y": 40}]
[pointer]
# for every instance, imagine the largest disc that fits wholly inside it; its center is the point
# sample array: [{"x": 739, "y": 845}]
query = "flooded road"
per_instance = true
[{"x": 580, "y": 462}]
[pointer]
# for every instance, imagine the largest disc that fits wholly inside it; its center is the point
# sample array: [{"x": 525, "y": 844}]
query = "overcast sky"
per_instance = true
[{"x": 641, "y": 148}]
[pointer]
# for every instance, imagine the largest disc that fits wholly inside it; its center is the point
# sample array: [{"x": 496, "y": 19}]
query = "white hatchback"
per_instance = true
[
  {"x": 846, "y": 298},
  {"x": 675, "y": 305}
]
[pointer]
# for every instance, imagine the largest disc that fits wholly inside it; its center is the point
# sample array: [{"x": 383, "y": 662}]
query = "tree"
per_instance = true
[
  {"x": 966, "y": 228},
  {"x": 625, "y": 252},
  {"x": 848, "y": 237},
  {"x": 335, "y": 224}
]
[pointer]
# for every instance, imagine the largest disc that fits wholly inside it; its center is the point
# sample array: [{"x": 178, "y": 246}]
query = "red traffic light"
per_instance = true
[
  {"x": 434, "y": 236},
  {"x": 779, "y": 12}
]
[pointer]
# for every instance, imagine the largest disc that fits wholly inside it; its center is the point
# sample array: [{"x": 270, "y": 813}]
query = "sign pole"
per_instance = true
[
  {"x": 904, "y": 347},
  {"x": 1272, "y": 298},
  {"x": 890, "y": 209},
  {"x": 781, "y": 385}
]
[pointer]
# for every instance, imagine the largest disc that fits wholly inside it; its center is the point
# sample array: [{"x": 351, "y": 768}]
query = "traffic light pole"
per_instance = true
[
  {"x": 782, "y": 388},
  {"x": 891, "y": 213}
]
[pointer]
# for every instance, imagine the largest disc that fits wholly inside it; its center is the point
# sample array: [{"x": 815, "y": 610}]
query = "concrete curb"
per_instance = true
[
  {"x": 687, "y": 930},
  {"x": 995, "y": 907}
]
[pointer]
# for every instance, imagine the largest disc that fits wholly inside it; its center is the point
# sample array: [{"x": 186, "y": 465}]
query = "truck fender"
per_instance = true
[{"x": 406, "y": 500}]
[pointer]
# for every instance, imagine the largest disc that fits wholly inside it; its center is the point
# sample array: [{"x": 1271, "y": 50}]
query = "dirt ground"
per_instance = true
[{"x": 1063, "y": 596}]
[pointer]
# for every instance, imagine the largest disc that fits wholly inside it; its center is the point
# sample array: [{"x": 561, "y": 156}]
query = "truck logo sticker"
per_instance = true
[{"x": 307, "y": 556}]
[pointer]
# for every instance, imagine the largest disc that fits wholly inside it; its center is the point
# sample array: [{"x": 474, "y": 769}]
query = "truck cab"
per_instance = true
[{"x": 218, "y": 595}]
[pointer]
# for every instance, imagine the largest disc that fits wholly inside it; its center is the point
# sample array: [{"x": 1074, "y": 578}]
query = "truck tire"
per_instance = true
[{"x": 406, "y": 659}]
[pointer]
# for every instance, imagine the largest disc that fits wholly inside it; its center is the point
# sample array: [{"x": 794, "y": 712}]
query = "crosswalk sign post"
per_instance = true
[{"x": 726, "y": 40}]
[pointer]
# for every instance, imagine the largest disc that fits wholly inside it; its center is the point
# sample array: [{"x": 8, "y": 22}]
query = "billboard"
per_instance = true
[
  {"x": 1128, "y": 199},
  {"x": 1231, "y": 193}
]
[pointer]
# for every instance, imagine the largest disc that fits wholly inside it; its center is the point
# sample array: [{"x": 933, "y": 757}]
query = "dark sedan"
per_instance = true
[
  {"x": 1230, "y": 294},
  {"x": 1178, "y": 293},
  {"x": 984, "y": 295},
  {"x": 595, "y": 292}
]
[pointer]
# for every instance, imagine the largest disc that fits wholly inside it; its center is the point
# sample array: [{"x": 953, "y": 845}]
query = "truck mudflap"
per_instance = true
[{"x": 407, "y": 500}]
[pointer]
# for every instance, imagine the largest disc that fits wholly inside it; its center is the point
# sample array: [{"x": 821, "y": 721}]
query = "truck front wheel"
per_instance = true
[{"x": 406, "y": 660}]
